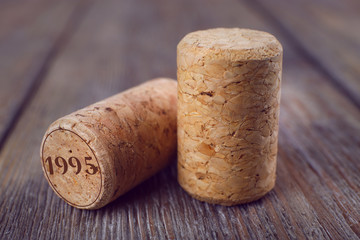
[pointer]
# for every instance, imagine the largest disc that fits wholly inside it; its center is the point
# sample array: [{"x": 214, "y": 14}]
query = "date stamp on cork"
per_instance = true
[
  {"x": 94, "y": 155},
  {"x": 69, "y": 161}
]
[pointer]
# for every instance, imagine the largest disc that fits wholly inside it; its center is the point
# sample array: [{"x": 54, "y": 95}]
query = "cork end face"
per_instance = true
[
  {"x": 71, "y": 168},
  {"x": 236, "y": 44}
]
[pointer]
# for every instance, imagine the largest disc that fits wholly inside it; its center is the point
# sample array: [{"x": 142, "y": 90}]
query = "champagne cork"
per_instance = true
[
  {"x": 228, "y": 113},
  {"x": 94, "y": 155}
]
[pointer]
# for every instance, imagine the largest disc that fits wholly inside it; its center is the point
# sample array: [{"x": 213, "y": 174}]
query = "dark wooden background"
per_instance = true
[{"x": 59, "y": 56}]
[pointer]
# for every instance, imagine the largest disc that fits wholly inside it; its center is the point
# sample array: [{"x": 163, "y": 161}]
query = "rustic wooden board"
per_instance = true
[
  {"x": 326, "y": 33},
  {"x": 119, "y": 44},
  {"x": 31, "y": 34}
]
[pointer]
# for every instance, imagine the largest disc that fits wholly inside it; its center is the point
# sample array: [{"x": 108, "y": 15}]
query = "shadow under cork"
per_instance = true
[
  {"x": 159, "y": 207},
  {"x": 149, "y": 192},
  {"x": 163, "y": 191}
]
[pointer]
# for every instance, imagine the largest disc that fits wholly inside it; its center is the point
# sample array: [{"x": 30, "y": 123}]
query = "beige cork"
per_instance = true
[
  {"x": 94, "y": 155},
  {"x": 228, "y": 113}
]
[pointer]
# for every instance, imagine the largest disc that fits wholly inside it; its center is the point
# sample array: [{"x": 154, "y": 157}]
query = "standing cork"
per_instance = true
[
  {"x": 96, "y": 154},
  {"x": 228, "y": 112}
]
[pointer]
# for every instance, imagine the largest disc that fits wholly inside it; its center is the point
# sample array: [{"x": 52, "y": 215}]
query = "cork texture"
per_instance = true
[
  {"x": 118, "y": 143},
  {"x": 228, "y": 113}
]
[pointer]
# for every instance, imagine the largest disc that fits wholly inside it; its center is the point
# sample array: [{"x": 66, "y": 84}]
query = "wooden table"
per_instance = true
[{"x": 59, "y": 56}]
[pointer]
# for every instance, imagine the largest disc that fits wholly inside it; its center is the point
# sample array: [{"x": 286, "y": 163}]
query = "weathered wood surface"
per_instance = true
[
  {"x": 327, "y": 33},
  {"x": 31, "y": 35},
  {"x": 118, "y": 44}
]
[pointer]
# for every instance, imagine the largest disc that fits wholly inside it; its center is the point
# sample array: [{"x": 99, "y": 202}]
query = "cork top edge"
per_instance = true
[{"x": 237, "y": 44}]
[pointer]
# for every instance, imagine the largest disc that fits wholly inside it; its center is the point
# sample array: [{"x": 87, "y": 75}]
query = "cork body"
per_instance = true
[
  {"x": 228, "y": 113},
  {"x": 94, "y": 155}
]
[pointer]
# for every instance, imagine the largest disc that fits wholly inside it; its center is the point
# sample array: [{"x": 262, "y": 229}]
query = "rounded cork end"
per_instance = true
[
  {"x": 73, "y": 166},
  {"x": 234, "y": 199},
  {"x": 234, "y": 43}
]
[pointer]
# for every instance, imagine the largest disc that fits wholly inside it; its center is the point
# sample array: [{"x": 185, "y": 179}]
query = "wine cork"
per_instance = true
[
  {"x": 94, "y": 155},
  {"x": 228, "y": 113}
]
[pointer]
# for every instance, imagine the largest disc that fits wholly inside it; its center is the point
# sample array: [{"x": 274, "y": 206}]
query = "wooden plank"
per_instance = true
[
  {"x": 327, "y": 33},
  {"x": 30, "y": 35},
  {"x": 317, "y": 191},
  {"x": 14, "y": 15}
]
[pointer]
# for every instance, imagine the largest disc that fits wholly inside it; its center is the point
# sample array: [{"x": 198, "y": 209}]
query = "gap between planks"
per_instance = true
[
  {"x": 70, "y": 27},
  {"x": 304, "y": 52}
]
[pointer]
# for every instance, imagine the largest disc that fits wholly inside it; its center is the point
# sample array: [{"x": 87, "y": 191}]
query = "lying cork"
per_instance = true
[
  {"x": 228, "y": 113},
  {"x": 94, "y": 155}
]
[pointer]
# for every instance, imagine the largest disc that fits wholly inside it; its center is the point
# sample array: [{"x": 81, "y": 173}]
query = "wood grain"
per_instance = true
[
  {"x": 119, "y": 44},
  {"x": 31, "y": 34},
  {"x": 326, "y": 33}
]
